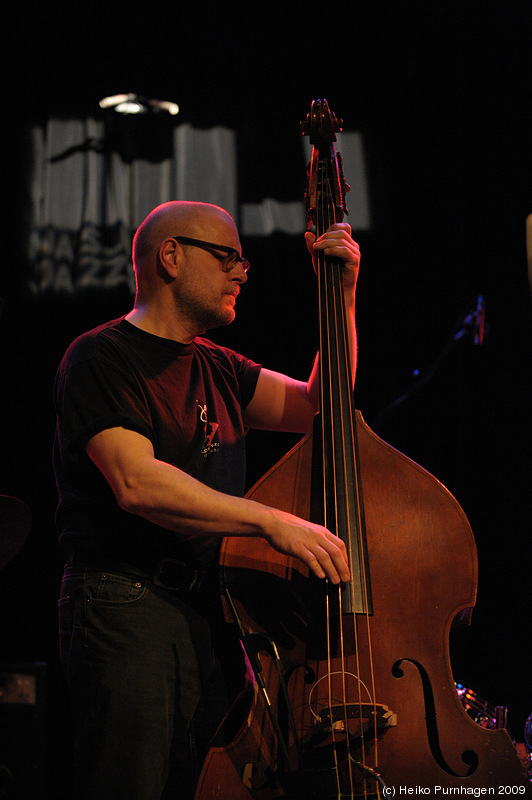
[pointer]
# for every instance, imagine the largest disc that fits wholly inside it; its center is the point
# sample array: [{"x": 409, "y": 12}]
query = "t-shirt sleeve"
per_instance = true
[
  {"x": 247, "y": 373},
  {"x": 92, "y": 395}
]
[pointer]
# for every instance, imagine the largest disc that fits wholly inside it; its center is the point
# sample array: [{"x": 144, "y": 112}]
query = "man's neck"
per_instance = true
[{"x": 147, "y": 319}]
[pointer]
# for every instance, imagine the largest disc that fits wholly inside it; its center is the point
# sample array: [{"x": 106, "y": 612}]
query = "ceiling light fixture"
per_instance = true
[{"x": 135, "y": 104}]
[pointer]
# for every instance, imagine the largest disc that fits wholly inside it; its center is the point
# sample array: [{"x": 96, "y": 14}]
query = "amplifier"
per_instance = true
[{"x": 22, "y": 731}]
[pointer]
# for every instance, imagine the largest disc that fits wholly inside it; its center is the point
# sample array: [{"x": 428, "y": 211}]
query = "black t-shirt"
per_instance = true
[{"x": 188, "y": 400}]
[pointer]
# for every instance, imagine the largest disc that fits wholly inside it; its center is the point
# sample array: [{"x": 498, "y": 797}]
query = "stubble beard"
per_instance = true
[{"x": 201, "y": 316}]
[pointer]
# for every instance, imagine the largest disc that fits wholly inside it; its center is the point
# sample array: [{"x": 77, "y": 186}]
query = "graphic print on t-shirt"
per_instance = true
[{"x": 209, "y": 429}]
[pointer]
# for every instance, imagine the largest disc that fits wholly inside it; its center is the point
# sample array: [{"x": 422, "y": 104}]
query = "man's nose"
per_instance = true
[{"x": 238, "y": 273}]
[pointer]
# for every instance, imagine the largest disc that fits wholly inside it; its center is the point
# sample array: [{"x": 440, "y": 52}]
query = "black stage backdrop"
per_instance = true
[{"x": 440, "y": 93}]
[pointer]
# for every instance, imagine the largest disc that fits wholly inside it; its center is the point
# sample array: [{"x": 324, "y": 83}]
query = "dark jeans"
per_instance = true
[{"x": 150, "y": 677}]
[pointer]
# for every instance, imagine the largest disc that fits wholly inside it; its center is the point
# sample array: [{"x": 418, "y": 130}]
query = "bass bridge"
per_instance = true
[{"x": 357, "y": 718}]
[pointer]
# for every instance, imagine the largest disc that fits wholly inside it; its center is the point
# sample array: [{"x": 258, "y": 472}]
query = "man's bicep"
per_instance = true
[{"x": 118, "y": 453}]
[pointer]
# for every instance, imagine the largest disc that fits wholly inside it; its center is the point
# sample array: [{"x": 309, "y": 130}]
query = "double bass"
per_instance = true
[{"x": 353, "y": 693}]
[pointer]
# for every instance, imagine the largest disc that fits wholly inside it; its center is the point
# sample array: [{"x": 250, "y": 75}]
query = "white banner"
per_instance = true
[{"x": 88, "y": 195}]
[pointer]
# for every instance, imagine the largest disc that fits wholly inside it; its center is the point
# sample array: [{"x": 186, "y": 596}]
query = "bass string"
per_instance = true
[
  {"x": 329, "y": 344},
  {"x": 323, "y": 220},
  {"x": 333, "y": 338}
]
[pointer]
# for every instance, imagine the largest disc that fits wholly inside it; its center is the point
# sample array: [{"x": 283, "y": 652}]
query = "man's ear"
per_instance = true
[{"x": 169, "y": 257}]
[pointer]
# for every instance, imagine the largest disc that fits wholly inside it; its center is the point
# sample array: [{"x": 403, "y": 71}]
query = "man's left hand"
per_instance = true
[{"x": 338, "y": 243}]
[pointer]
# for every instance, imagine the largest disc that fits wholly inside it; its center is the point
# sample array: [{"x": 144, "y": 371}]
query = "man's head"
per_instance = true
[
  {"x": 193, "y": 281},
  {"x": 183, "y": 217}
]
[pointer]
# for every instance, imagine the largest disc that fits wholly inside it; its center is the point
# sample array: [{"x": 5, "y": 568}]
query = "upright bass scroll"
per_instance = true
[{"x": 321, "y": 126}]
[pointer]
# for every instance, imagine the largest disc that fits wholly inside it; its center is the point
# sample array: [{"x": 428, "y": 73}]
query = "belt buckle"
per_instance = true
[{"x": 175, "y": 575}]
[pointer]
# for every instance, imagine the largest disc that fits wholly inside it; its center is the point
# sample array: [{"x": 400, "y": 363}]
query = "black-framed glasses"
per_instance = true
[{"x": 231, "y": 258}]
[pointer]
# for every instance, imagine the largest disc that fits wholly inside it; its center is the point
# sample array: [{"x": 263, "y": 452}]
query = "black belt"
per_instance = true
[{"x": 167, "y": 573}]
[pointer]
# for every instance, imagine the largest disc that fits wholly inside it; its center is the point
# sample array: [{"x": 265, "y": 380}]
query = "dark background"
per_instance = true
[{"x": 441, "y": 94}]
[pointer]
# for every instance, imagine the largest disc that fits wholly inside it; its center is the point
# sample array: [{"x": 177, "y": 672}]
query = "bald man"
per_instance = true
[{"x": 149, "y": 459}]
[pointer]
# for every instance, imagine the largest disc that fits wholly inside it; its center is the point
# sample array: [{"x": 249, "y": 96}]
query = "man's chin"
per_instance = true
[{"x": 220, "y": 321}]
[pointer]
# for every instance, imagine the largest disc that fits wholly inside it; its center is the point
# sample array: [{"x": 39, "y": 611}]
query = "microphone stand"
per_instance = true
[{"x": 472, "y": 321}]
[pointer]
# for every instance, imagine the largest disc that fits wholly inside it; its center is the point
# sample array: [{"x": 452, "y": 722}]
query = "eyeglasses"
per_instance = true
[{"x": 228, "y": 261}]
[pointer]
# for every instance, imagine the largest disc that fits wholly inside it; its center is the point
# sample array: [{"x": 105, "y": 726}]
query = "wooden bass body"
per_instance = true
[{"x": 404, "y": 722}]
